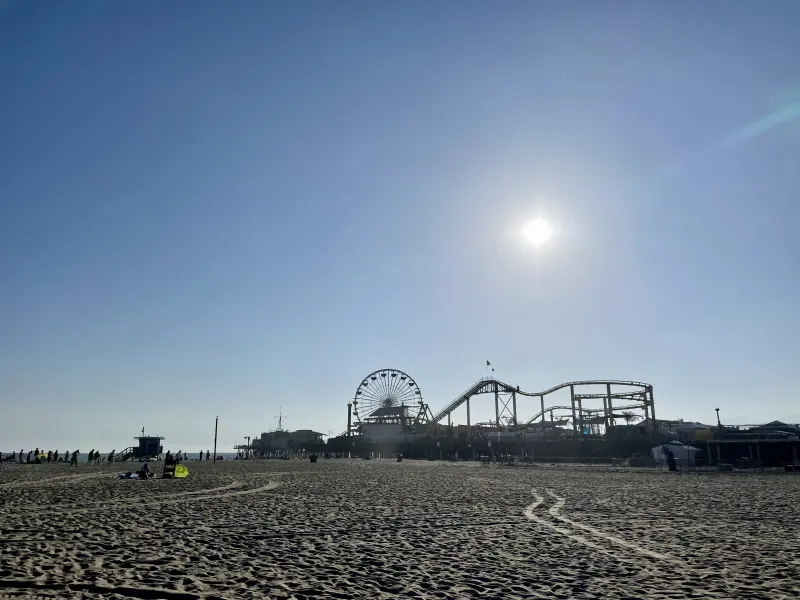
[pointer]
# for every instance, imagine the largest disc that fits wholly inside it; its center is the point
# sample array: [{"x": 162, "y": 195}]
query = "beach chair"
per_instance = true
[
  {"x": 174, "y": 470},
  {"x": 169, "y": 470}
]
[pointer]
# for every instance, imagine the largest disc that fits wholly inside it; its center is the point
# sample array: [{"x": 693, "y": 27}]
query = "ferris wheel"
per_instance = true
[{"x": 387, "y": 392}]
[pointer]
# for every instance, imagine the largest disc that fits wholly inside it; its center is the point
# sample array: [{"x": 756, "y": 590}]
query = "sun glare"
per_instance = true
[{"x": 538, "y": 232}]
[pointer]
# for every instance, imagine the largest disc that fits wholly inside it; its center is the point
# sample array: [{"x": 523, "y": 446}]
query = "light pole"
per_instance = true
[{"x": 216, "y": 425}]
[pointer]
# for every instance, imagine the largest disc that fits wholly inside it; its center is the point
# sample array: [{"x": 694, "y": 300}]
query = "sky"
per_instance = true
[{"x": 243, "y": 209}]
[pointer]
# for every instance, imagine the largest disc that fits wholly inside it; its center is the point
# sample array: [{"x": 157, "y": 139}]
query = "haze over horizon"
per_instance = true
[{"x": 225, "y": 209}]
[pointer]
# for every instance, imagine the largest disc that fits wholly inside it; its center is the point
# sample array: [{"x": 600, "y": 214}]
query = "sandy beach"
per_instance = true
[{"x": 380, "y": 529}]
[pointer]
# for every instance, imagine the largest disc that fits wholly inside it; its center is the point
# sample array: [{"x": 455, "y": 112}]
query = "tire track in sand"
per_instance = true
[
  {"x": 555, "y": 512},
  {"x": 179, "y": 497},
  {"x": 264, "y": 488},
  {"x": 530, "y": 513},
  {"x": 597, "y": 536},
  {"x": 60, "y": 479}
]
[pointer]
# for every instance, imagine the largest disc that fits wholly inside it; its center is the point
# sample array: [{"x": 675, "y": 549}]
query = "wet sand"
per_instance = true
[{"x": 380, "y": 529}]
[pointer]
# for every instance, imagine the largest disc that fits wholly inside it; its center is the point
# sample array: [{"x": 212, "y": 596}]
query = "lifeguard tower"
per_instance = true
[{"x": 149, "y": 446}]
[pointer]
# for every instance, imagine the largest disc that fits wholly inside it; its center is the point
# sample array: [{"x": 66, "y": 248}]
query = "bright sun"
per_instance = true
[{"x": 538, "y": 232}]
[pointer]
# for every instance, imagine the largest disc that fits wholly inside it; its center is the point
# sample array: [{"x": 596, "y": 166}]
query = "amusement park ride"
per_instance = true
[
  {"x": 388, "y": 397},
  {"x": 392, "y": 397}
]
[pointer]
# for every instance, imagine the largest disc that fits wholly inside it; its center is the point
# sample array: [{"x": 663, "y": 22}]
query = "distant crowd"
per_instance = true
[{"x": 40, "y": 457}]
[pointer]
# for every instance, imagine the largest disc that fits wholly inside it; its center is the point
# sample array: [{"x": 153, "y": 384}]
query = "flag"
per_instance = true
[
  {"x": 492, "y": 369},
  {"x": 488, "y": 363},
  {"x": 142, "y": 431}
]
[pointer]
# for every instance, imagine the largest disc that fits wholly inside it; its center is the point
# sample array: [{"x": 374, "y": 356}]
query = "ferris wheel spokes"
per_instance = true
[{"x": 388, "y": 395}]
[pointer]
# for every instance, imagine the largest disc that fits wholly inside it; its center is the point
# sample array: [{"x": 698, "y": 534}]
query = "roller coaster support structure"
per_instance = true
[
  {"x": 544, "y": 427},
  {"x": 469, "y": 424},
  {"x": 572, "y": 402},
  {"x": 637, "y": 395},
  {"x": 652, "y": 406},
  {"x": 497, "y": 406}
]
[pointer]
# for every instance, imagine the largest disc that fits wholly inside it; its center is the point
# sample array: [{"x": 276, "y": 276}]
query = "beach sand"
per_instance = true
[{"x": 381, "y": 529}]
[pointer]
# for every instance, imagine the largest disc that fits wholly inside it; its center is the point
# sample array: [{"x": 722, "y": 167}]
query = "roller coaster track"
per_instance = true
[
  {"x": 489, "y": 385},
  {"x": 538, "y": 415}
]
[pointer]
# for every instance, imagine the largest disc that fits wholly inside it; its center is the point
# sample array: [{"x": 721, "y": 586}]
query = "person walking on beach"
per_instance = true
[
  {"x": 111, "y": 455},
  {"x": 21, "y": 452},
  {"x": 670, "y": 459},
  {"x": 91, "y": 456},
  {"x": 55, "y": 456},
  {"x": 207, "y": 454},
  {"x": 73, "y": 462}
]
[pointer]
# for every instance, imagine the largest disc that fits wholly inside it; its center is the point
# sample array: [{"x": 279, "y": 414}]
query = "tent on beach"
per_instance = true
[{"x": 684, "y": 454}]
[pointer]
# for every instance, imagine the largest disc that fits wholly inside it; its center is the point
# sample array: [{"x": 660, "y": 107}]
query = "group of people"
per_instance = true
[
  {"x": 37, "y": 457},
  {"x": 181, "y": 456}
]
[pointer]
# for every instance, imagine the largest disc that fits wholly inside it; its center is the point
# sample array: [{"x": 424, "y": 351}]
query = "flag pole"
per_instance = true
[{"x": 216, "y": 424}]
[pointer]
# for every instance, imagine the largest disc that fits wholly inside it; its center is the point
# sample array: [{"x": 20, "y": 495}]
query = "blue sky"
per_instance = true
[{"x": 227, "y": 208}]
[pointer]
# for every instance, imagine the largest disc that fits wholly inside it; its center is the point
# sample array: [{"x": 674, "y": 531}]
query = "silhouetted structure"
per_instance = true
[{"x": 149, "y": 446}]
